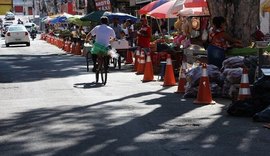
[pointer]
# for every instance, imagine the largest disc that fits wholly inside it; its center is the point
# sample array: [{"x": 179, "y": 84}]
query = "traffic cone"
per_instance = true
[
  {"x": 73, "y": 48},
  {"x": 244, "y": 89},
  {"x": 141, "y": 64},
  {"x": 78, "y": 49},
  {"x": 68, "y": 46},
  {"x": 204, "y": 95},
  {"x": 148, "y": 70},
  {"x": 169, "y": 79},
  {"x": 137, "y": 60},
  {"x": 182, "y": 78},
  {"x": 129, "y": 59}
]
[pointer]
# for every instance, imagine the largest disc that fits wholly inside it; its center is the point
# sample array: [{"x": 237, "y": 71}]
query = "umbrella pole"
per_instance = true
[
  {"x": 159, "y": 27},
  {"x": 168, "y": 26}
]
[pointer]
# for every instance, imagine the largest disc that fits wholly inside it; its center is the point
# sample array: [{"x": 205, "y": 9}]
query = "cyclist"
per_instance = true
[{"x": 104, "y": 34}]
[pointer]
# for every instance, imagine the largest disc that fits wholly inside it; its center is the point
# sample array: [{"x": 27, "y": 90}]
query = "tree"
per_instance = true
[
  {"x": 242, "y": 16},
  {"x": 91, "y": 6}
]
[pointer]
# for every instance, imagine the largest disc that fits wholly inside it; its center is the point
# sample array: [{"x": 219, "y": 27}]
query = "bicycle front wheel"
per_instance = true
[{"x": 104, "y": 71}]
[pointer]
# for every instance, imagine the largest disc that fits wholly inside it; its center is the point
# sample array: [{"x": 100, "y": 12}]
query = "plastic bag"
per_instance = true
[
  {"x": 113, "y": 53},
  {"x": 204, "y": 35},
  {"x": 263, "y": 116}
]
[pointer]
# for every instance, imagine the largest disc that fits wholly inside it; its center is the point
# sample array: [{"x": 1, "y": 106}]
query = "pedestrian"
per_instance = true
[
  {"x": 104, "y": 34},
  {"x": 116, "y": 27},
  {"x": 129, "y": 32},
  {"x": 218, "y": 42}
]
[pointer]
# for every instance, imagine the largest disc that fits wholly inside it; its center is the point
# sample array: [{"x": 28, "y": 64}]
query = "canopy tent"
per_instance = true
[{"x": 151, "y": 6}]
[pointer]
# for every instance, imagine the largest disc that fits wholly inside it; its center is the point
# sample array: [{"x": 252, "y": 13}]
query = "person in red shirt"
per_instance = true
[
  {"x": 144, "y": 34},
  {"x": 219, "y": 40}
]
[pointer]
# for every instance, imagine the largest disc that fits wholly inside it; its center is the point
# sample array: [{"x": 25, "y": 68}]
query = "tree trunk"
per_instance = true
[
  {"x": 91, "y": 6},
  {"x": 242, "y": 16}
]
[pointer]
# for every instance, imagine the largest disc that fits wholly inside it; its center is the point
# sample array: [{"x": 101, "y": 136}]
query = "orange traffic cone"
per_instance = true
[
  {"x": 129, "y": 59},
  {"x": 137, "y": 60},
  {"x": 182, "y": 78},
  {"x": 148, "y": 70},
  {"x": 73, "y": 48},
  {"x": 244, "y": 89},
  {"x": 68, "y": 46},
  {"x": 141, "y": 64},
  {"x": 169, "y": 79},
  {"x": 78, "y": 49},
  {"x": 204, "y": 95}
]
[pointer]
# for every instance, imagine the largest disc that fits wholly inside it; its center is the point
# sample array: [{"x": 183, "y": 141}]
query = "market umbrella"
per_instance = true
[
  {"x": 94, "y": 16},
  {"x": 77, "y": 21},
  {"x": 190, "y": 8},
  {"x": 163, "y": 11},
  {"x": 151, "y": 6},
  {"x": 195, "y": 3},
  {"x": 58, "y": 19},
  {"x": 196, "y": 11},
  {"x": 265, "y": 6},
  {"x": 45, "y": 19},
  {"x": 121, "y": 16}
]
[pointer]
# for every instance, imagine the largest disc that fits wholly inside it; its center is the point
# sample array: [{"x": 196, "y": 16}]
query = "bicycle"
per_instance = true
[
  {"x": 102, "y": 68},
  {"x": 102, "y": 60}
]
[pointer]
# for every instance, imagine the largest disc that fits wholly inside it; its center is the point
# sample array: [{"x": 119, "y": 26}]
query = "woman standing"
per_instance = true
[{"x": 219, "y": 40}]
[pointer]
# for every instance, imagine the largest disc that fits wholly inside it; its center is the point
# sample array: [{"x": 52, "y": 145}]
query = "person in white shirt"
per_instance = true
[{"x": 104, "y": 34}]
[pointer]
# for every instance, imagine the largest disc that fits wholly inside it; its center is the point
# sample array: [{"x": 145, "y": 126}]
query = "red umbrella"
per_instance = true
[
  {"x": 190, "y": 8},
  {"x": 163, "y": 11},
  {"x": 195, "y": 3},
  {"x": 151, "y": 6}
]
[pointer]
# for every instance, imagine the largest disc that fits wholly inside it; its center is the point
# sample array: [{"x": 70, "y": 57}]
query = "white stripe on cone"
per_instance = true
[
  {"x": 148, "y": 59},
  {"x": 204, "y": 72},
  {"x": 244, "y": 91},
  {"x": 169, "y": 61},
  {"x": 244, "y": 78}
]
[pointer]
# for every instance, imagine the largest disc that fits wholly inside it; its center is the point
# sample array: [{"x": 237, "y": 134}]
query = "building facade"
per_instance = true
[
  {"x": 5, "y": 6},
  {"x": 26, "y": 7}
]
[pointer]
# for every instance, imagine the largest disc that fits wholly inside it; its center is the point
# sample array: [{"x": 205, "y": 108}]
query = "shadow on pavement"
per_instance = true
[{"x": 148, "y": 126}]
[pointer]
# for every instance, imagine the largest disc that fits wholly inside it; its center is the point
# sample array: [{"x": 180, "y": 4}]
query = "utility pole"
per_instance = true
[{"x": 34, "y": 10}]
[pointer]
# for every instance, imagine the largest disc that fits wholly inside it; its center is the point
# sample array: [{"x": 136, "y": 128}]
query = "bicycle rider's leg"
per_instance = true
[{"x": 94, "y": 59}]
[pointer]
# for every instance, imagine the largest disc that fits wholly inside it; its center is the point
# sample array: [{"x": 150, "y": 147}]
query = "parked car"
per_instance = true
[
  {"x": 5, "y": 28},
  {"x": 17, "y": 34},
  {"x": 9, "y": 16}
]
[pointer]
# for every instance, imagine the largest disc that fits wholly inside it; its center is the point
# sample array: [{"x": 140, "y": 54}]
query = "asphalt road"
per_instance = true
[{"x": 50, "y": 106}]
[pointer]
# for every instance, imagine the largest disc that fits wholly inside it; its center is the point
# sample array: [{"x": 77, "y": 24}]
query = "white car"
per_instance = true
[
  {"x": 9, "y": 16},
  {"x": 5, "y": 28},
  {"x": 17, "y": 34}
]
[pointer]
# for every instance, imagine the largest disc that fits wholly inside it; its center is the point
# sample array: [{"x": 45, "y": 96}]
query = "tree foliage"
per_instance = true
[{"x": 242, "y": 16}]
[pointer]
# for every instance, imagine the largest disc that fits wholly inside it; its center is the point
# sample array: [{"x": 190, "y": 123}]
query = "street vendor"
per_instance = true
[
  {"x": 218, "y": 41},
  {"x": 144, "y": 34}
]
